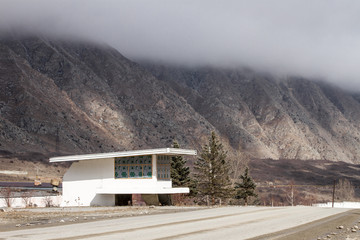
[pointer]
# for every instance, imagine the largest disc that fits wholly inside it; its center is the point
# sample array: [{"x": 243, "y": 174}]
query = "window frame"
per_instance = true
[{"x": 160, "y": 159}]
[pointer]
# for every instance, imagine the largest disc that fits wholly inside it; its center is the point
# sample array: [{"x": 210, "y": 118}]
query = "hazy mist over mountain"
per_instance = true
[
  {"x": 98, "y": 76},
  {"x": 314, "y": 39}
]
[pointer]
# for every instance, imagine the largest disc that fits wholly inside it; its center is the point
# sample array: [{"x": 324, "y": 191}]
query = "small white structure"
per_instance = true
[{"x": 108, "y": 179}]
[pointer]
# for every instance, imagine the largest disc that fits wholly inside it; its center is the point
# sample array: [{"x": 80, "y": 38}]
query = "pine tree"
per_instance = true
[
  {"x": 246, "y": 188},
  {"x": 179, "y": 172},
  {"x": 212, "y": 171}
]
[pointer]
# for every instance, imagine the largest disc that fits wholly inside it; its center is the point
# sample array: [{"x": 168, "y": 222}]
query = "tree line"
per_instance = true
[{"x": 211, "y": 180}]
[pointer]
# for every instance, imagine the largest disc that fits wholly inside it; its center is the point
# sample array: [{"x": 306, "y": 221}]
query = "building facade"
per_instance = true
[{"x": 119, "y": 178}]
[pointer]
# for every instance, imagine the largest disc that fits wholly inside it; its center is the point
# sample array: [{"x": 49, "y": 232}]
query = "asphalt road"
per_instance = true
[{"x": 216, "y": 223}]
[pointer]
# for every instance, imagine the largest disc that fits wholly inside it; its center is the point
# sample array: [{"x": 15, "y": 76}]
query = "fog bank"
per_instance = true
[{"x": 318, "y": 38}]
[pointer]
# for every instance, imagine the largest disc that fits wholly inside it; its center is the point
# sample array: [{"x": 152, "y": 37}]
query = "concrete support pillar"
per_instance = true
[{"x": 154, "y": 167}]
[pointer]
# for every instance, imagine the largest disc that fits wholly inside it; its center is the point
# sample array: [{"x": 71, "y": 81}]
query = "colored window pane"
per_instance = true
[{"x": 133, "y": 167}]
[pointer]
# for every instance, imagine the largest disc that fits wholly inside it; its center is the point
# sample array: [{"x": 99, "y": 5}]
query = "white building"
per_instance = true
[{"x": 119, "y": 178}]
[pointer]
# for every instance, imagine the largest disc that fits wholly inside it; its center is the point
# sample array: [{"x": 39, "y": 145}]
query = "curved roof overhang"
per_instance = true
[{"x": 156, "y": 151}]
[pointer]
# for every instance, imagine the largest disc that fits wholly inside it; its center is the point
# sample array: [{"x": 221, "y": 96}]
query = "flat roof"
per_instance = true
[{"x": 156, "y": 151}]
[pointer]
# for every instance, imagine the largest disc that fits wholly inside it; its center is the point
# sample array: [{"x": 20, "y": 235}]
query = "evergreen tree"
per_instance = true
[
  {"x": 246, "y": 188},
  {"x": 179, "y": 172},
  {"x": 212, "y": 171}
]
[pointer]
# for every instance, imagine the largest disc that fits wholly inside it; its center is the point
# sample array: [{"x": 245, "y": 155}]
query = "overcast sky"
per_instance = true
[{"x": 312, "y": 38}]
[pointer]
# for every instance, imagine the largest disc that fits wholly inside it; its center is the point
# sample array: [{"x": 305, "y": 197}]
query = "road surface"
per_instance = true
[{"x": 216, "y": 223}]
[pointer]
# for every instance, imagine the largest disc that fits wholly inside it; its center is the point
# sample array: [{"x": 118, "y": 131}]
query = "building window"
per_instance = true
[
  {"x": 133, "y": 167},
  {"x": 163, "y": 167}
]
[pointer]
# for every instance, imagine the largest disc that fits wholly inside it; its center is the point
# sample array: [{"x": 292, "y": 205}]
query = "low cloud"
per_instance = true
[{"x": 318, "y": 38}]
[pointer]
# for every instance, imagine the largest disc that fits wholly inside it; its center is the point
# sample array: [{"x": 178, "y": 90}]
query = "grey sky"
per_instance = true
[{"x": 313, "y": 38}]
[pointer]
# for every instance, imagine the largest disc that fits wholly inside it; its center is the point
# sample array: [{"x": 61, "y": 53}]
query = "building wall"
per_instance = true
[
  {"x": 92, "y": 182},
  {"x": 83, "y": 178}
]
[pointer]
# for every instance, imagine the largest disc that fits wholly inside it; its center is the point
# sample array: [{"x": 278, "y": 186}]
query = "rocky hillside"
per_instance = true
[
  {"x": 292, "y": 118},
  {"x": 63, "y": 97},
  {"x": 66, "y": 98}
]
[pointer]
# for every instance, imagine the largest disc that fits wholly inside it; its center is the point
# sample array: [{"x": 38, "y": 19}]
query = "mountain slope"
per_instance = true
[
  {"x": 291, "y": 118},
  {"x": 64, "y": 97}
]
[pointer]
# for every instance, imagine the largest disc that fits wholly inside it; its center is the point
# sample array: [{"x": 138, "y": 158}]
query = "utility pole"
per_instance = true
[
  {"x": 292, "y": 194},
  {"x": 333, "y": 195},
  {"x": 57, "y": 140}
]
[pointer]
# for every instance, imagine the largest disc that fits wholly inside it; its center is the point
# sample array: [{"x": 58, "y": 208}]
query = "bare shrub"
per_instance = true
[
  {"x": 48, "y": 201},
  {"x": 26, "y": 198},
  {"x": 8, "y": 196},
  {"x": 290, "y": 196},
  {"x": 238, "y": 166},
  {"x": 309, "y": 199},
  {"x": 345, "y": 191}
]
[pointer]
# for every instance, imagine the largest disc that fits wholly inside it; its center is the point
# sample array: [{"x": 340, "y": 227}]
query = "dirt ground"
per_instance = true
[
  {"x": 15, "y": 219},
  {"x": 44, "y": 170},
  {"x": 344, "y": 226}
]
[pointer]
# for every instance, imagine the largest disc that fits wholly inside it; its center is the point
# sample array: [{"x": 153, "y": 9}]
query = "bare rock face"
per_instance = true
[
  {"x": 69, "y": 97},
  {"x": 291, "y": 118}
]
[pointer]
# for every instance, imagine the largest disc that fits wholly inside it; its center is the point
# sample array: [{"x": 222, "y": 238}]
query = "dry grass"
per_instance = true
[
  {"x": 312, "y": 180},
  {"x": 43, "y": 169}
]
